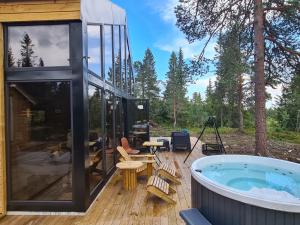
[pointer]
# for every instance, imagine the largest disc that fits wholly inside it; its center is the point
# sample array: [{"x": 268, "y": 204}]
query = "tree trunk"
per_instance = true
[
  {"x": 174, "y": 112},
  {"x": 222, "y": 123},
  {"x": 260, "y": 98},
  {"x": 240, "y": 102}
]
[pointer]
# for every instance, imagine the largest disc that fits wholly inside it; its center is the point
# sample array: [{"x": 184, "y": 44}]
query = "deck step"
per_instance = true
[{"x": 193, "y": 217}]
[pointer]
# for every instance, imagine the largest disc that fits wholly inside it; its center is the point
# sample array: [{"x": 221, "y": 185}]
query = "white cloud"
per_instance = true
[
  {"x": 200, "y": 85},
  {"x": 165, "y": 9},
  {"x": 190, "y": 50},
  {"x": 176, "y": 39},
  {"x": 275, "y": 93}
]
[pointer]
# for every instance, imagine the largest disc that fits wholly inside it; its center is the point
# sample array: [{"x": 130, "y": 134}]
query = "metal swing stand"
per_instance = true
[{"x": 211, "y": 122}]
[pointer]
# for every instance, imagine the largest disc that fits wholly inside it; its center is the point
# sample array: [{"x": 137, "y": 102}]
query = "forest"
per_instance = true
[{"x": 258, "y": 46}]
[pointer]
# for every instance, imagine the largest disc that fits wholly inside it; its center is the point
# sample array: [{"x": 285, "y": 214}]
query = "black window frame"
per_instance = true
[
  {"x": 73, "y": 74},
  {"x": 102, "y": 75}
]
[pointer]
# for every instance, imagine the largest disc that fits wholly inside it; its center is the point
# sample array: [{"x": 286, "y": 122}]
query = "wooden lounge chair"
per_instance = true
[
  {"x": 148, "y": 161},
  {"x": 127, "y": 148},
  {"x": 167, "y": 172},
  {"x": 160, "y": 188},
  {"x": 164, "y": 170}
]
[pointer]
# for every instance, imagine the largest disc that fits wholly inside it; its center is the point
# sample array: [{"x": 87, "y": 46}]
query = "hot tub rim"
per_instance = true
[{"x": 239, "y": 195}]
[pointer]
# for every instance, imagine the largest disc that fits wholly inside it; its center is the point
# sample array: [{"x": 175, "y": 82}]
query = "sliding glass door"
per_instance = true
[
  {"x": 40, "y": 141},
  {"x": 95, "y": 137}
]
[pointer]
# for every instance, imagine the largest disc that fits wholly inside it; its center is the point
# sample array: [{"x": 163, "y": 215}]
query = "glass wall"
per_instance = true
[
  {"x": 119, "y": 120},
  {"x": 95, "y": 136},
  {"x": 108, "y": 58},
  {"x": 40, "y": 156},
  {"x": 117, "y": 56},
  {"x": 109, "y": 140},
  {"x": 123, "y": 58},
  {"x": 38, "y": 46},
  {"x": 128, "y": 71},
  {"x": 94, "y": 49}
]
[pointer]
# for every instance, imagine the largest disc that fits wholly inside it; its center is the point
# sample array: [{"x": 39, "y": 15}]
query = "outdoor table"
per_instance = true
[
  {"x": 154, "y": 146},
  {"x": 129, "y": 173}
]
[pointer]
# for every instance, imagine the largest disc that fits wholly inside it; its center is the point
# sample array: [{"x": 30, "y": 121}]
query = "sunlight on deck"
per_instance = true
[{"x": 116, "y": 206}]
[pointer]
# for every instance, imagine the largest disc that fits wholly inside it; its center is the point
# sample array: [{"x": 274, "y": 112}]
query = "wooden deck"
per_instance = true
[{"x": 116, "y": 206}]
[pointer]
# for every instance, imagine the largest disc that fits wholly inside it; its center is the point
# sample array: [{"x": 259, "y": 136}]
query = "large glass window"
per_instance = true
[
  {"x": 40, "y": 156},
  {"x": 95, "y": 136},
  {"x": 109, "y": 140},
  {"x": 38, "y": 46},
  {"x": 117, "y": 56},
  {"x": 123, "y": 58},
  {"x": 94, "y": 49},
  {"x": 108, "y": 59}
]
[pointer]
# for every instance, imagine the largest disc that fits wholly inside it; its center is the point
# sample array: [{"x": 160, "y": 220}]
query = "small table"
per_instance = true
[
  {"x": 129, "y": 175},
  {"x": 154, "y": 146}
]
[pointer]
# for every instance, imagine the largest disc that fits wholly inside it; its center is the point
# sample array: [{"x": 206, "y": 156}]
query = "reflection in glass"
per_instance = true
[
  {"x": 38, "y": 46},
  {"x": 108, "y": 53},
  {"x": 95, "y": 136},
  {"x": 117, "y": 56},
  {"x": 123, "y": 58},
  {"x": 109, "y": 142},
  {"x": 119, "y": 120},
  {"x": 129, "y": 70},
  {"x": 40, "y": 141},
  {"x": 94, "y": 50}
]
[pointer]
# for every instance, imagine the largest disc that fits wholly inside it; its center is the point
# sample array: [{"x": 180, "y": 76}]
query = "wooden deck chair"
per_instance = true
[
  {"x": 127, "y": 148},
  {"x": 148, "y": 161},
  {"x": 160, "y": 188},
  {"x": 164, "y": 169},
  {"x": 167, "y": 172}
]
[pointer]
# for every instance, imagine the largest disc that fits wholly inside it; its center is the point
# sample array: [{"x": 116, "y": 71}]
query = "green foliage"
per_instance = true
[{"x": 288, "y": 111}]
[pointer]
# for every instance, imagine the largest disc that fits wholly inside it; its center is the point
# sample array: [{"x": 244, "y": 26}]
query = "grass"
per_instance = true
[{"x": 165, "y": 130}]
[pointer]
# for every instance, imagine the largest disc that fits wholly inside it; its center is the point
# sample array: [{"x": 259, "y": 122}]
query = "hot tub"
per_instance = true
[{"x": 246, "y": 190}]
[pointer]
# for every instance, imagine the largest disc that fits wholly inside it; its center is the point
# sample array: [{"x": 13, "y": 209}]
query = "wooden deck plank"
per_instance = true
[{"x": 116, "y": 206}]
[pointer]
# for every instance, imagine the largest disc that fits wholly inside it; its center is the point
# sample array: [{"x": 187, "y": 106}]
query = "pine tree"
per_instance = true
[
  {"x": 140, "y": 80},
  {"x": 146, "y": 85},
  {"x": 27, "y": 52},
  {"x": 270, "y": 29},
  {"x": 176, "y": 88},
  {"x": 289, "y": 104},
  {"x": 230, "y": 84},
  {"x": 170, "y": 94},
  {"x": 11, "y": 59},
  {"x": 41, "y": 62}
]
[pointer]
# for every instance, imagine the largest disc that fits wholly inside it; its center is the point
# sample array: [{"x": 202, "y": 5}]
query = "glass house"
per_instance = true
[{"x": 66, "y": 101}]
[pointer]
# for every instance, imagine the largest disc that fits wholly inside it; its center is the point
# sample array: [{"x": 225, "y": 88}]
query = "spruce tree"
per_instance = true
[
  {"x": 170, "y": 94},
  {"x": 176, "y": 88},
  {"x": 11, "y": 59},
  {"x": 41, "y": 62},
  {"x": 146, "y": 82},
  {"x": 27, "y": 52}
]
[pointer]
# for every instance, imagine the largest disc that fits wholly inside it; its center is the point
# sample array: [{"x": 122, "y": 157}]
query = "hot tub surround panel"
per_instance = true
[{"x": 221, "y": 210}]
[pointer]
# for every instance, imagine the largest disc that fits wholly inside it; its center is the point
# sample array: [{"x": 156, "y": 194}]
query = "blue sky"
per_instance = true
[{"x": 151, "y": 24}]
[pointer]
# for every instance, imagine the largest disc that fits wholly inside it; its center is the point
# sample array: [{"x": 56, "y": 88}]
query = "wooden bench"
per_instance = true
[
  {"x": 167, "y": 172},
  {"x": 160, "y": 188},
  {"x": 193, "y": 217}
]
